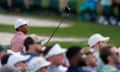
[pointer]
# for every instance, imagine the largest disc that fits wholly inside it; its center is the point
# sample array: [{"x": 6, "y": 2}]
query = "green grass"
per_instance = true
[
  {"x": 79, "y": 29},
  {"x": 68, "y": 44}
]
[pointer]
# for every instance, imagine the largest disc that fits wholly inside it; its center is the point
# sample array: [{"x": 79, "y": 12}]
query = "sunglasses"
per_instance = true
[{"x": 89, "y": 53}]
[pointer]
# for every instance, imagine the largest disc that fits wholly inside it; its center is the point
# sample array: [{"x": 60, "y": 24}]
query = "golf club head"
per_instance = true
[{"x": 67, "y": 9}]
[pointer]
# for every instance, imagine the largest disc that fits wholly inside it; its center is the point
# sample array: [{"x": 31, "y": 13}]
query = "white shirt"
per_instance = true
[{"x": 0, "y": 64}]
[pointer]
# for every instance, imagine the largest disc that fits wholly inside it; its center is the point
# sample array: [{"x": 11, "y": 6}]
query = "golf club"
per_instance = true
[{"x": 66, "y": 11}]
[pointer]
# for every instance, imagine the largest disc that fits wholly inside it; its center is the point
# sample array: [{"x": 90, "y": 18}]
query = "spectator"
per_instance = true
[
  {"x": 62, "y": 5},
  {"x": 37, "y": 39},
  {"x": 110, "y": 56},
  {"x": 38, "y": 64},
  {"x": 17, "y": 42},
  {"x": 27, "y": 4},
  {"x": 97, "y": 41},
  {"x": 19, "y": 61},
  {"x": 116, "y": 3},
  {"x": 22, "y": 6},
  {"x": 6, "y": 5},
  {"x": 9, "y": 5},
  {"x": 75, "y": 59},
  {"x": 107, "y": 11},
  {"x": 89, "y": 8},
  {"x": 90, "y": 60},
  {"x": 9, "y": 68},
  {"x": 33, "y": 49},
  {"x": 32, "y": 6},
  {"x": 55, "y": 54},
  {"x": 2, "y": 53}
]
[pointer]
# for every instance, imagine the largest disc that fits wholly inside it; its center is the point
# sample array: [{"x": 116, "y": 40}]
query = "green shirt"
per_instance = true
[
  {"x": 109, "y": 68},
  {"x": 106, "y": 2}
]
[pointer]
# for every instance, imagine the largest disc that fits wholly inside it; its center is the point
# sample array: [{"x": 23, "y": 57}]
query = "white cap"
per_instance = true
[
  {"x": 20, "y": 22},
  {"x": 119, "y": 49},
  {"x": 13, "y": 59},
  {"x": 95, "y": 38},
  {"x": 55, "y": 50},
  {"x": 37, "y": 63}
]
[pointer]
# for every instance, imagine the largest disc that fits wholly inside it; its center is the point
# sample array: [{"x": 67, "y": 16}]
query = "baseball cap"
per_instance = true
[
  {"x": 13, "y": 59},
  {"x": 20, "y": 22},
  {"x": 55, "y": 50},
  {"x": 37, "y": 63},
  {"x": 95, "y": 38}
]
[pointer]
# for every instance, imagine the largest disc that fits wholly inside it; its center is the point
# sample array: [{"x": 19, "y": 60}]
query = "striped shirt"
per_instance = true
[{"x": 17, "y": 42}]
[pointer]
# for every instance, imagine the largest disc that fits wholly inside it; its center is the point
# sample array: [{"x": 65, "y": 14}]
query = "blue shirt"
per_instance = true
[
  {"x": 109, "y": 68},
  {"x": 31, "y": 55},
  {"x": 106, "y": 2},
  {"x": 92, "y": 5},
  {"x": 88, "y": 69},
  {"x": 74, "y": 69},
  {"x": 100, "y": 62}
]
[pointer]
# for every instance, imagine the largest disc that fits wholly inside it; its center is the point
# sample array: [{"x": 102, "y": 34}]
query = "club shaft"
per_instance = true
[{"x": 55, "y": 30}]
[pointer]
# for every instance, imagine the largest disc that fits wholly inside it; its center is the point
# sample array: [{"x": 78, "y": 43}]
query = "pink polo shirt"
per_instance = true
[{"x": 17, "y": 42}]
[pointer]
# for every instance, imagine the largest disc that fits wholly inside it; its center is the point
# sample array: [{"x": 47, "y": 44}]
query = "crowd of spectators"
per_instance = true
[
  {"x": 100, "y": 11},
  {"x": 29, "y": 54},
  {"x": 32, "y": 6},
  {"x": 22, "y": 6}
]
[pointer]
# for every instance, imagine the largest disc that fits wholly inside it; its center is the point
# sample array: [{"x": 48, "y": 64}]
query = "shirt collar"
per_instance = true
[
  {"x": 89, "y": 68},
  {"x": 19, "y": 32},
  {"x": 110, "y": 67},
  {"x": 31, "y": 54}
]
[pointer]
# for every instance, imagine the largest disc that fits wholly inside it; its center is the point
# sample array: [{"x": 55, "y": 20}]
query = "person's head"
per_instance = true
[
  {"x": 2, "y": 51},
  {"x": 19, "y": 61},
  {"x": 31, "y": 46},
  {"x": 35, "y": 37},
  {"x": 74, "y": 56},
  {"x": 28, "y": 42},
  {"x": 21, "y": 25},
  {"x": 110, "y": 55},
  {"x": 90, "y": 57},
  {"x": 97, "y": 41},
  {"x": 38, "y": 64},
  {"x": 55, "y": 55},
  {"x": 5, "y": 58}
]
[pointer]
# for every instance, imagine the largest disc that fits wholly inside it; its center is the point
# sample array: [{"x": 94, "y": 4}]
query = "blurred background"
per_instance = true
[{"x": 86, "y": 17}]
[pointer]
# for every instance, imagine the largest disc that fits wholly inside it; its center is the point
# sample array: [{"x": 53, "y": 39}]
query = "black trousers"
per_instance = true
[{"x": 114, "y": 5}]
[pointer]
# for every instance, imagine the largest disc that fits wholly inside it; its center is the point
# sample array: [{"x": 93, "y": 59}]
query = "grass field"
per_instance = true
[{"x": 79, "y": 29}]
